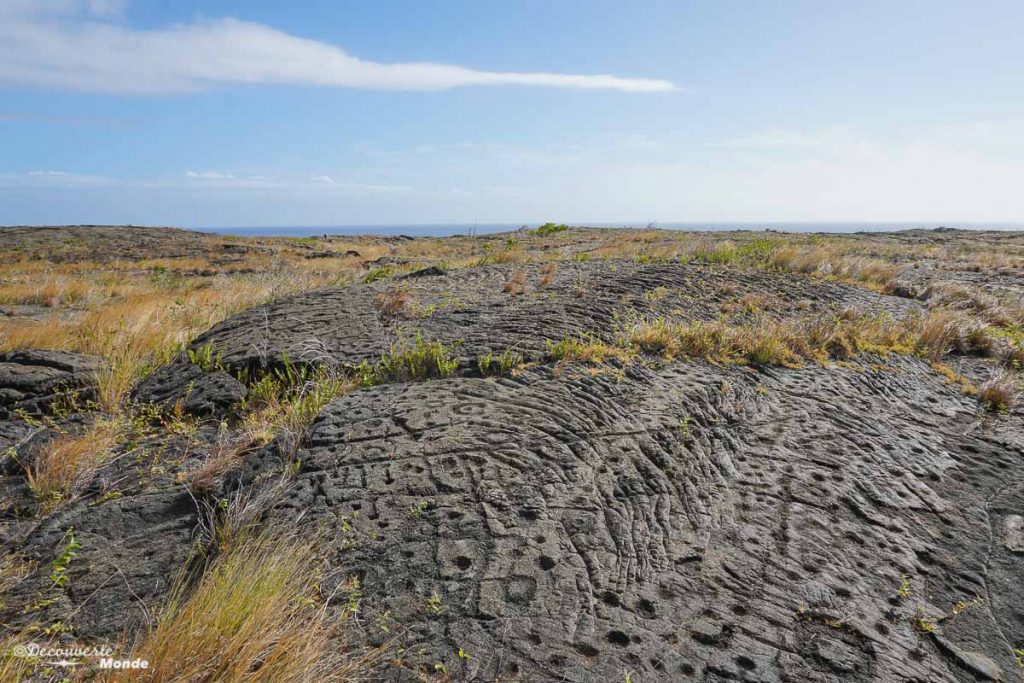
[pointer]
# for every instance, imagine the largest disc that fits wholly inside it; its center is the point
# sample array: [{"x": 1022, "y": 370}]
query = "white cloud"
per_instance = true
[
  {"x": 75, "y": 45},
  {"x": 208, "y": 175}
]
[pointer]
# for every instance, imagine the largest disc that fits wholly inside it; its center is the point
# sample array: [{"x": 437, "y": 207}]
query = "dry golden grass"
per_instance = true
[
  {"x": 1000, "y": 393},
  {"x": 547, "y": 274},
  {"x": 943, "y": 331},
  {"x": 831, "y": 262},
  {"x": 48, "y": 290},
  {"x": 973, "y": 300},
  {"x": 256, "y": 615},
  {"x": 788, "y": 342},
  {"x": 395, "y": 302},
  {"x": 515, "y": 285},
  {"x": 62, "y": 467},
  {"x": 137, "y": 332}
]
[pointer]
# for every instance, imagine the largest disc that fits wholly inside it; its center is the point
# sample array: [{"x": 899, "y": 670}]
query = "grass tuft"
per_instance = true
[
  {"x": 1000, "y": 393},
  {"x": 255, "y": 615},
  {"x": 61, "y": 468}
]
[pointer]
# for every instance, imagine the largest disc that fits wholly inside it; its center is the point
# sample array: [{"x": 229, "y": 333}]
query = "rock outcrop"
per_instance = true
[{"x": 32, "y": 380}]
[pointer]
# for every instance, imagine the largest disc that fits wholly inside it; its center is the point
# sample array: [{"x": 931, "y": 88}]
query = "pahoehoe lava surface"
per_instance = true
[{"x": 666, "y": 520}]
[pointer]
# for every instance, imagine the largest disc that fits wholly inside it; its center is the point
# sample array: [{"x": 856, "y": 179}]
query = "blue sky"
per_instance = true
[{"x": 319, "y": 113}]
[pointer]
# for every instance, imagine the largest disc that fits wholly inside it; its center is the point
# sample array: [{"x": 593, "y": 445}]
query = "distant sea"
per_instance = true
[{"x": 447, "y": 229}]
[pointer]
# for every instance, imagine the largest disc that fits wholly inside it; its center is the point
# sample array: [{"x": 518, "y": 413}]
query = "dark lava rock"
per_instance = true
[
  {"x": 570, "y": 525},
  {"x": 676, "y": 520},
  {"x": 423, "y": 272},
  {"x": 199, "y": 392},
  {"x": 343, "y": 325},
  {"x": 31, "y": 380},
  {"x": 385, "y": 261},
  {"x": 904, "y": 289}
]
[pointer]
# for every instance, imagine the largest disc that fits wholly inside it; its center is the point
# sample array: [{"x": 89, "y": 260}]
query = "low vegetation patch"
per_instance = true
[
  {"x": 770, "y": 342},
  {"x": 515, "y": 284},
  {"x": 551, "y": 229},
  {"x": 256, "y": 614},
  {"x": 1000, "y": 393},
  {"x": 61, "y": 468},
  {"x": 406, "y": 362},
  {"x": 587, "y": 349},
  {"x": 282, "y": 404},
  {"x": 395, "y": 302},
  {"x": 501, "y": 364}
]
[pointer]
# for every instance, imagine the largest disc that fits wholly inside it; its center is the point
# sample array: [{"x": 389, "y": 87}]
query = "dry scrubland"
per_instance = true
[
  {"x": 138, "y": 304},
  {"x": 138, "y": 298}
]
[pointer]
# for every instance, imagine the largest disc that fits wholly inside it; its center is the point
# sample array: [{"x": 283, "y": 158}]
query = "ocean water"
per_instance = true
[{"x": 447, "y": 229}]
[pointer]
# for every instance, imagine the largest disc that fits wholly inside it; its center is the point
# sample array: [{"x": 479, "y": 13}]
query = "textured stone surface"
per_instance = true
[
  {"x": 30, "y": 380},
  {"x": 198, "y": 392},
  {"x": 472, "y": 312},
  {"x": 685, "y": 521},
  {"x": 669, "y": 521}
]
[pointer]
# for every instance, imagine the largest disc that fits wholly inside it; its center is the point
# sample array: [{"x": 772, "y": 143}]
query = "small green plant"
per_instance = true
[
  {"x": 108, "y": 496},
  {"x": 409, "y": 362},
  {"x": 375, "y": 274},
  {"x": 906, "y": 588},
  {"x": 464, "y": 655},
  {"x": 509, "y": 360},
  {"x": 924, "y": 624},
  {"x": 684, "y": 426},
  {"x": 484, "y": 362},
  {"x": 434, "y": 602},
  {"x": 1018, "y": 652},
  {"x": 384, "y": 622},
  {"x": 502, "y": 364},
  {"x": 418, "y": 509},
  {"x": 56, "y": 628},
  {"x": 353, "y": 591},
  {"x": 59, "y": 566},
  {"x": 206, "y": 357}
]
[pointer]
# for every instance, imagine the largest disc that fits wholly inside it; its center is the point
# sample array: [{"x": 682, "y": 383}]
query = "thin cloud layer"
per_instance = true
[{"x": 74, "y": 49}]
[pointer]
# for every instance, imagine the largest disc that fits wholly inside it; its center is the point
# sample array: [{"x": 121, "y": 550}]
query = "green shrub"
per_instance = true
[{"x": 551, "y": 228}]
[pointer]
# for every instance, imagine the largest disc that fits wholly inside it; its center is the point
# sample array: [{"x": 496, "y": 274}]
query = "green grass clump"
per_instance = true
[
  {"x": 585, "y": 349},
  {"x": 410, "y": 362},
  {"x": 376, "y": 274},
  {"x": 502, "y": 364},
  {"x": 551, "y": 229}
]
